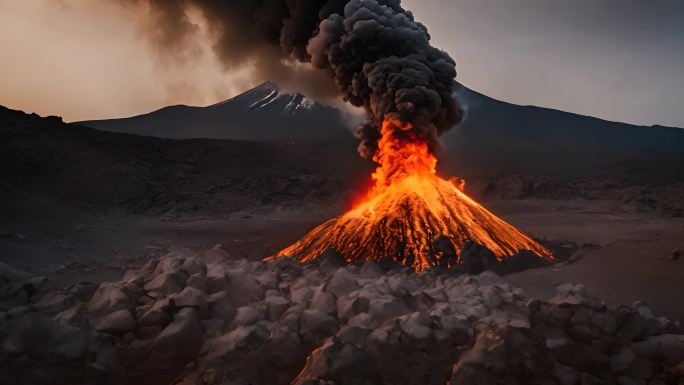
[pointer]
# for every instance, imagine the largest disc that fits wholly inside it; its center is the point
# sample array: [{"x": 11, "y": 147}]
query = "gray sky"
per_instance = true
[{"x": 616, "y": 59}]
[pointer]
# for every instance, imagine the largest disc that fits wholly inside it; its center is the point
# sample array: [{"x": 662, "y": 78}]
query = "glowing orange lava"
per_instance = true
[{"x": 408, "y": 208}]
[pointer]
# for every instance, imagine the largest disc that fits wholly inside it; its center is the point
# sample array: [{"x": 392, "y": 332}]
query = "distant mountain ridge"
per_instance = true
[
  {"x": 495, "y": 138},
  {"x": 486, "y": 115},
  {"x": 264, "y": 113},
  {"x": 502, "y": 138}
]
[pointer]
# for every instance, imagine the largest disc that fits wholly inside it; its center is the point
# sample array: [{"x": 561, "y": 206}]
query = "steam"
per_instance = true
[{"x": 377, "y": 56}]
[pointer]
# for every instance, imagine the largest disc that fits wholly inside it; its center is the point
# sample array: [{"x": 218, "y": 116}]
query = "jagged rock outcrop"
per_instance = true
[{"x": 322, "y": 323}]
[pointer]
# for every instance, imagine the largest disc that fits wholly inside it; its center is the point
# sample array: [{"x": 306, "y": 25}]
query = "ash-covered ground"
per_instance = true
[{"x": 85, "y": 217}]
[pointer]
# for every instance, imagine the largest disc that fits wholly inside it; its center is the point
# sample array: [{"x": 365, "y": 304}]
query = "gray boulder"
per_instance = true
[
  {"x": 386, "y": 307},
  {"x": 324, "y": 302},
  {"x": 622, "y": 360},
  {"x": 198, "y": 281},
  {"x": 54, "y": 302},
  {"x": 341, "y": 283},
  {"x": 668, "y": 346},
  {"x": 337, "y": 362},
  {"x": 243, "y": 288},
  {"x": 158, "y": 315},
  {"x": 507, "y": 353},
  {"x": 216, "y": 255},
  {"x": 39, "y": 336},
  {"x": 276, "y": 307},
  {"x": 191, "y": 297},
  {"x": 166, "y": 283},
  {"x": 118, "y": 322},
  {"x": 108, "y": 298},
  {"x": 318, "y": 322},
  {"x": 220, "y": 307},
  {"x": 247, "y": 316},
  {"x": 179, "y": 342},
  {"x": 193, "y": 265}
]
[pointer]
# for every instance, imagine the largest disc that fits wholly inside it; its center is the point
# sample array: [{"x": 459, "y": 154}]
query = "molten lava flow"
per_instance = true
[{"x": 408, "y": 209}]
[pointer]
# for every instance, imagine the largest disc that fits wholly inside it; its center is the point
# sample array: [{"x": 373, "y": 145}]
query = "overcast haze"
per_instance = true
[{"x": 615, "y": 59}]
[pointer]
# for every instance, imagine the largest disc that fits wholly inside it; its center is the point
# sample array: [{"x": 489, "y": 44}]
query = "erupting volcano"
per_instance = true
[
  {"x": 408, "y": 210},
  {"x": 379, "y": 58}
]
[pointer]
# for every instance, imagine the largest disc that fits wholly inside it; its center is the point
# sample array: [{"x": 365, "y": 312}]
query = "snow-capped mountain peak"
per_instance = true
[{"x": 269, "y": 97}]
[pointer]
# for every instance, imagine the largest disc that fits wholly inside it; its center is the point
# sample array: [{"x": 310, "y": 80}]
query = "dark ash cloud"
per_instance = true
[{"x": 372, "y": 52}]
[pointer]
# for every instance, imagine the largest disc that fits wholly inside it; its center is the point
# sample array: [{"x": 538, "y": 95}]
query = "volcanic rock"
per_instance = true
[
  {"x": 246, "y": 316},
  {"x": 198, "y": 281},
  {"x": 72, "y": 316},
  {"x": 243, "y": 288},
  {"x": 680, "y": 371},
  {"x": 490, "y": 360},
  {"x": 338, "y": 363},
  {"x": 108, "y": 298},
  {"x": 221, "y": 307},
  {"x": 565, "y": 374},
  {"x": 324, "y": 302},
  {"x": 191, "y": 297},
  {"x": 179, "y": 342},
  {"x": 117, "y": 322},
  {"x": 193, "y": 265},
  {"x": 167, "y": 282},
  {"x": 276, "y": 306},
  {"x": 158, "y": 314},
  {"x": 477, "y": 258},
  {"x": 318, "y": 322},
  {"x": 330, "y": 260},
  {"x": 38, "y": 335},
  {"x": 570, "y": 294},
  {"x": 526, "y": 259},
  {"x": 341, "y": 283},
  {"x": 217, "y": 281},
  {"x": 52, "y": 303},
  {"x": 346, "y": 325},
  {"x": 635, "y": 327},
  {"x": 386, "y": 307},
  {"x": 622, "y": 360},
  {"x": 670, "y": 346}
]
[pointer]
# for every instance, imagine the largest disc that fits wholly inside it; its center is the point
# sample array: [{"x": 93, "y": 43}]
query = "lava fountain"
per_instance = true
[{"x": 408, "y": 208}]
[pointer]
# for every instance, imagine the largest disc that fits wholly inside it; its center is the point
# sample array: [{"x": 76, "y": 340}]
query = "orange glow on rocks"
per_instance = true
[{"x": 407, "y": 209}]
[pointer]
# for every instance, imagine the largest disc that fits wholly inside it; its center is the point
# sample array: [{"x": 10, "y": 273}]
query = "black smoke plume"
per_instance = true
[{"x": 378, "y": 56}]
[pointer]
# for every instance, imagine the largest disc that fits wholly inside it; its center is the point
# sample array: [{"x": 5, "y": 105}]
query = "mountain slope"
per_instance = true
[
  {"x": 83, "y": 167},
  {"x": 503, "y": 138},
  {"x": 530, "y": 125},
  {"x": 264, "y": 113}
]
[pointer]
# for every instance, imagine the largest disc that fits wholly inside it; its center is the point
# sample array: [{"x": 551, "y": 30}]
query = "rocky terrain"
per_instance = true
[
  {"x": 107, "y": 172},
  {"x": 204, "y": 319},
  {"x": 89, "y": 296},
  {"x": 665, "y": 200}
]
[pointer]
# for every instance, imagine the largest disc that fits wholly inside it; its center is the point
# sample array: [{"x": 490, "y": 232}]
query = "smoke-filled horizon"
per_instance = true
[{"x": 374, "y": 53}]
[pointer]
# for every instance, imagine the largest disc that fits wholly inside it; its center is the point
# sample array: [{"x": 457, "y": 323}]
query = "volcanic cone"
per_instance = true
[{"x": 408, "y": 209}]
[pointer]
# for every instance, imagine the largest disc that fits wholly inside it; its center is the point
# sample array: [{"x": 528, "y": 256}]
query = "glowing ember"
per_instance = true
[{"x": 408, "y": 209}]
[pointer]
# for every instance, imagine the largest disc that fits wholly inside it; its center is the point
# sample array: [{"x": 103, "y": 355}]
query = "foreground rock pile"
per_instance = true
[{"x": 180, "y": 320}]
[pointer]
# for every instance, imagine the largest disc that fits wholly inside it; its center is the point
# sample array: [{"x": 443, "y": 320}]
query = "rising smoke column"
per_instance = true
[
  {"x": 378, "y": 56},
  {"x": 381, "y": 59}
]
